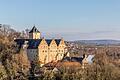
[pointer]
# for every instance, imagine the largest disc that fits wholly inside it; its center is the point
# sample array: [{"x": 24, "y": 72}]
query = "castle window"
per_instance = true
[
  {"x": 44, "y": 46},
  {"x": 43, "y": 50}
]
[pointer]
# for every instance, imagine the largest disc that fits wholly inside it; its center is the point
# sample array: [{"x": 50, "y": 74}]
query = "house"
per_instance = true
[
  {"x": 69, "y": 62},
  {"x": 42, "y": 50}
]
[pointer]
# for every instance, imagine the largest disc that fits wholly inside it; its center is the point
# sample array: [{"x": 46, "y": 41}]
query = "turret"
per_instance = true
[{"x": 34, "y": 33}]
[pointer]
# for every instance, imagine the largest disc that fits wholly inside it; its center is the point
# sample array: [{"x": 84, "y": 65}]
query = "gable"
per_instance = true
[
  {"x": 43, "y": 42},
  {"x": 53, "y": 43},
  {"x": 62, "y": 43}
]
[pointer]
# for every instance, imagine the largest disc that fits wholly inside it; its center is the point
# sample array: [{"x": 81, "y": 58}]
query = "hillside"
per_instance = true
[{"x": 98, "y": 42}]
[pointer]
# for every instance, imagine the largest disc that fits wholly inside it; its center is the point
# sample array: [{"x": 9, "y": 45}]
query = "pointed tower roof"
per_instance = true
[{"x": 34, "y": 29}]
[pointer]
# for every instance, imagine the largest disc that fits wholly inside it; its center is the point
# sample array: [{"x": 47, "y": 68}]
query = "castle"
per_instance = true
[{"x": 41, "y": 49}]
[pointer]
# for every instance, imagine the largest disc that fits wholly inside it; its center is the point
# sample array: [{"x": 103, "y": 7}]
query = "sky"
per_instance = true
[{"x": 70, "y": 19}]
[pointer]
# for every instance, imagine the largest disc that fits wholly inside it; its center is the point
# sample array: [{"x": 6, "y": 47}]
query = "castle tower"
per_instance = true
[{"x": 34, "y": 33}]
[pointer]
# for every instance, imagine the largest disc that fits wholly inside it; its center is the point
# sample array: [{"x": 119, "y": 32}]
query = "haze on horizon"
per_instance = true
[{"x": 71, "y": 19}]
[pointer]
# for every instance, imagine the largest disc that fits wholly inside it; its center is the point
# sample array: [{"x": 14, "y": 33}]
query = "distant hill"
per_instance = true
[{"x": 98, "y": 42}]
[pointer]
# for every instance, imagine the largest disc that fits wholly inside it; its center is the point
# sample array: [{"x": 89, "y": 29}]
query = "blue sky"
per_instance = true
[{"x": 71, "y": 19}]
